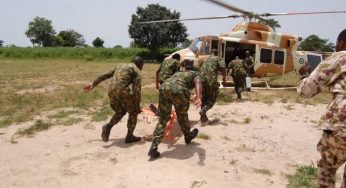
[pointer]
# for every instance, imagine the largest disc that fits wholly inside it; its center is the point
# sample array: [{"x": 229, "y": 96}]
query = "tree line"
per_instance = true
[{"x": 151, "y": 36}]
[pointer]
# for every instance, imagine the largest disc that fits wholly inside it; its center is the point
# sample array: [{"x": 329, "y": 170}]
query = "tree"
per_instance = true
[
  {"x": 186, "y": 43},
  {"x": 1, "y": 43},
  {"x": 314, "y": 43},
  {"x": 98, "y": 43},
  {"x": 41, "y": 32},
  {"x": 156, "y": 35},
  {"x": 271, "y": 23},
  {"x": 70, "y": 38}
]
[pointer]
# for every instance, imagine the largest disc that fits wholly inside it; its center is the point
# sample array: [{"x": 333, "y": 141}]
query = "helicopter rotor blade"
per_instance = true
[
  {"x": 191, "y": 19},
  {"x": 229, "y": 7},
  {"x": 300, "y": 13}
]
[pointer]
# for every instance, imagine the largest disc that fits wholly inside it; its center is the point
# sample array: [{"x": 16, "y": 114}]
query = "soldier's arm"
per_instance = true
[
  {"x": 319, "y": 79},
  {"x": 98, "y": 80},
  {"x": 198, "y": 91},
  {"x": 157, "y": 78},
  {"x": 103, "y": 77},
  {"x": 136, "y": 90},
  {"x": 252, "y": 62},
  {"x": 223, "y": 71}
]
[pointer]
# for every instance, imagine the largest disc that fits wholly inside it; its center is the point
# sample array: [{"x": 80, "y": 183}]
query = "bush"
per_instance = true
[{"x": 80, "y": 53}]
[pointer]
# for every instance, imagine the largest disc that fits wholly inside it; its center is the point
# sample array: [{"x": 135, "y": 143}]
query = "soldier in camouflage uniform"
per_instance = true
[
  {"x": 123, "y": 99},
  {"x": 330, "y": 75},
  {"x": 209, "y": 72},
  {"x": 238, "y": 74},
  {"x": 250, "y": 63},
  {"x": 167, "y": 69},
  {"x": 175, "y": 91}
]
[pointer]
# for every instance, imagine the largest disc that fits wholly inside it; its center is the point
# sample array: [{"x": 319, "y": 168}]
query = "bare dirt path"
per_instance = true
[{"x": 250, "y": 145}]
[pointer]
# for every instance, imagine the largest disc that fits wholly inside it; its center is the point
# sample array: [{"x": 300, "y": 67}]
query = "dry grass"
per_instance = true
[{"x": 30, "y": 87}]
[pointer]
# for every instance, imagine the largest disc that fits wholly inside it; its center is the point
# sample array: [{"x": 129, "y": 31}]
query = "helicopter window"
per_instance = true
[
  {"x": 214, "y": 44},
  {"x": 314, "y": 59},
  {"x": 266, "y": 55},
  {"x": 196, "y": 45},
  {"x": 206, "y": 48},
  {"x": 279, "y": 57}
]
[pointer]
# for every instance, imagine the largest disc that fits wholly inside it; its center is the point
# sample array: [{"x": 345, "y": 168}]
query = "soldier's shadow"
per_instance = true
[
  {"x": 120, "y": 142},
  {"x": 214, "y": 122},
  {"x": 183, "y": 152}
]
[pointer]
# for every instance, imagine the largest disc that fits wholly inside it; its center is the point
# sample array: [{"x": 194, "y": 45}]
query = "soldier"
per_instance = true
[
  {"x": 175, "y": 91},
  {"x": 330, "y": 75},
  {"x": 167, "y": 69},
  {"x": 122, "y": 98},
  {"x": 238, "y": 74},
  {"x": 209, "y": 73},
  {"x": 250, "y": 63}
]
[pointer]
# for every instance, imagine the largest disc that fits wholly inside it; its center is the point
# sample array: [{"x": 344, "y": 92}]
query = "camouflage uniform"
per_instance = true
[
  {"x": 175, "y": 91},
  {"x": 250, "y": 63},
  {"x": 330, "y": 75},
  {"x": 167, "y": 69},
  {"x": 209, "y": 73},
  {"x": 122, "y": 98},
  {"x": 238, "y": 74}
]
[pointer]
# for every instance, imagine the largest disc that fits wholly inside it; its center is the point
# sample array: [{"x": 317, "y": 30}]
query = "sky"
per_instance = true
[{"x": 110, "y": 19}]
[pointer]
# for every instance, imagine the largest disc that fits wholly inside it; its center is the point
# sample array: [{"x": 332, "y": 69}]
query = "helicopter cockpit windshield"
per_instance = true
[{"x": 196, "y": 45}]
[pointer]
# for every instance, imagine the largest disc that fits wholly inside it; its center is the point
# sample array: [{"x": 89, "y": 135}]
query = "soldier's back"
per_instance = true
[
  {"x": 168, "y": 68},
  {"x": 210, "y": 67},
  {"x": 238, "y": 67},
  {"x": 124, "y": 75},
  {"x": 181, "y": 82}
]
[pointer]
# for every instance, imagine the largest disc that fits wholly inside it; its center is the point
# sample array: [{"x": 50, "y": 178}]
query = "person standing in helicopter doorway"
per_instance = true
[
  {"x": 122, "y": 99},
  {"x": 209, "y": 71},
  {"x": 330, "y": 76},
  {"x": 250, "y": 63},
  {"x": 238, "y": 67}
]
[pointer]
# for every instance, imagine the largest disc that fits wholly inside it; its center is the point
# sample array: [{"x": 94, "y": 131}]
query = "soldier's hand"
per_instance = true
[
  {"x": 198, "y": 103},
  {"x": 193, "y": 97},
  {"x": 306, "y": 69},
  {"x": 157, "y": 86},
  {"x": 88, "y": 87}
]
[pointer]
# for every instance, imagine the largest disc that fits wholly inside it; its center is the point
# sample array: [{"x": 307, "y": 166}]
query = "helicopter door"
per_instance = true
[{"x": 223, "y": 50}]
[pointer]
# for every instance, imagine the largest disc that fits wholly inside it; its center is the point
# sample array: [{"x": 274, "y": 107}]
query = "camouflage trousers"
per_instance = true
[
  {"x": 333, "y": 154},
  {"x": 239, "y": 83},
  {"x": 181, "y": 104},
  {"x": 123, "y": 103},
  {"x": 209, "y": 95}
]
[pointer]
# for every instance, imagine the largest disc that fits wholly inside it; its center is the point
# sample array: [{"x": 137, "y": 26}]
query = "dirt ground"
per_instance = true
[{"x": 245, "y": 145}]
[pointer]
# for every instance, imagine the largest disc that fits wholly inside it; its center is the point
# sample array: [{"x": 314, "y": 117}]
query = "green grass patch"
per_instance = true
[
  {"x": 247, "y": 120},
  {"x": 70, "y": 121},
  {"x": 203, "y": 136},
  {"x": 225, "y": 97},
  {"x": 38, "y": 126},
  {"x": 6, "y": 121},
  {"x": 102, "y": 114},
  {"x": 304, "y": 177},
  {"x": 263, "y": 171},
  {"x": 63, "y": 114}
]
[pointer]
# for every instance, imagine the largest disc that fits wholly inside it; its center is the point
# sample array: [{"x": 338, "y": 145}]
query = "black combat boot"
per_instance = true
[
  {"x": 106, "y": 130},
  {"x": 153, "y": 153},
  {"x": 154, "y": 109},
  {"x": 193, "y": 134},
  {"x": 130, "y": 138},
  {"x": 203, "y": 113}
]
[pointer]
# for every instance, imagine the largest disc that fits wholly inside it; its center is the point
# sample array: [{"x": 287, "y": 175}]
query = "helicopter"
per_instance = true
[{"x": 274, "y": 53}]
